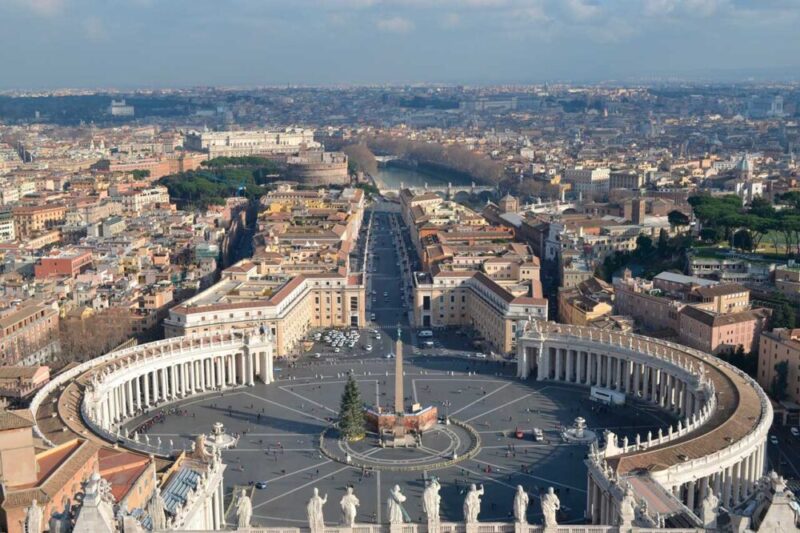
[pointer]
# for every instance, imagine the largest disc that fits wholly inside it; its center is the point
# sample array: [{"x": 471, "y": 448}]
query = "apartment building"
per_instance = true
[
  {"x": 721, "y": 333},
  {"x": 787, "y": 281},
  {"x": 7, "y": 230},
  {"x": 66, "y": 263},
  {"x": 448, "y": 298},
  {"x": 587, "y": 181},
  {"x": 137, "y": 201},
  {"x": 586, "y": 302},
  {"x": 30, "y": 220},
  {"x": 244, "y": 143},
  {"x": 288, "y": 308},
  {"x": 28, "y": 334},
  {"x": 777, "y": 346}
]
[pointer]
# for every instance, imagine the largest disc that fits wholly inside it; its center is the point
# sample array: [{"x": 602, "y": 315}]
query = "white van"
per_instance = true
[
  {"x": 425, "y": 333},
  {"x": 607, "y": 396}
]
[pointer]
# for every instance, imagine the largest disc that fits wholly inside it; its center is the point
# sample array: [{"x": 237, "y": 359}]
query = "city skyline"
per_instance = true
[{"x": 142, "y": 43}]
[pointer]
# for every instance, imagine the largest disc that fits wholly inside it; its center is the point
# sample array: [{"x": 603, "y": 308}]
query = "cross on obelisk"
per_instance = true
[{"x": 398, "y": 374}]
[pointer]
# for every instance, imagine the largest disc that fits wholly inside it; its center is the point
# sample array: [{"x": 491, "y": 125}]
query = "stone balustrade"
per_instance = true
[
  {"x": 123, "y": 384},
  {"x": 720, "y": 408}
]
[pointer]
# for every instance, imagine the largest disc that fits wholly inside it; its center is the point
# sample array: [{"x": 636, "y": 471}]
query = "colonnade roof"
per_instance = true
[{"x": 737, "y": 414}]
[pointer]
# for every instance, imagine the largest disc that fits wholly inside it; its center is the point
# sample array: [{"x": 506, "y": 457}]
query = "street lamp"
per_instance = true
[{"x": 446, "y": 404}]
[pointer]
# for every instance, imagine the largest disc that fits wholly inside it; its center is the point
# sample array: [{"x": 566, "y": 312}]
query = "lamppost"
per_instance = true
[{"x": 446, "y": 404}]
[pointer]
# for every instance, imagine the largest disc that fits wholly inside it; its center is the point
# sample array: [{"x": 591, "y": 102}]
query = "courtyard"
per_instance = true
[{"x": 280, "y": 426}]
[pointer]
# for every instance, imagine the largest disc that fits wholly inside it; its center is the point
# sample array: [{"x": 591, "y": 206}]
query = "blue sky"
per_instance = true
[{"x": 156, "y": 43}]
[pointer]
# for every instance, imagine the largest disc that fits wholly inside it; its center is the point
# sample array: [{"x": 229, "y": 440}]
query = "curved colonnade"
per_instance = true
[
  {"x": 718, "y": 443},
  {"x": 104, "y": 393}
]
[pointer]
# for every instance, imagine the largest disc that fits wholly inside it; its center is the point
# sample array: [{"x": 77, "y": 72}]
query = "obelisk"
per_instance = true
[{"x": 398, "y": 374}]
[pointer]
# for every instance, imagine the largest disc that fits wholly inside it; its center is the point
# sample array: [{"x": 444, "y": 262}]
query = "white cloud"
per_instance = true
[
  {"x": 395, "y": 25},
  {"x": 582, "y": 9},
  {"x": 45, "y": 8}
]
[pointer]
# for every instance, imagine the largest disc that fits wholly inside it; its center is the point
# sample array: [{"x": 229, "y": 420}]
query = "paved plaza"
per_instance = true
[{"x": 280, "y": 425}]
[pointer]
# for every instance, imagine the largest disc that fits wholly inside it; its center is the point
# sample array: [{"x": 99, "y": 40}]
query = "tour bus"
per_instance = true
[
  {"x": 607, "y": 396},
  {"x": 425, "y": 333}
]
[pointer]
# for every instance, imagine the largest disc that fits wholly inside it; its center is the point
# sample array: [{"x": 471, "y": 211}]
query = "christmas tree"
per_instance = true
[{"x": 351, "y": 412}]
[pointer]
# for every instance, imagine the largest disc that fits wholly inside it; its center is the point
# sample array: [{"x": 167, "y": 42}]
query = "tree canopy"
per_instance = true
[{"x": 351, "y": 412}]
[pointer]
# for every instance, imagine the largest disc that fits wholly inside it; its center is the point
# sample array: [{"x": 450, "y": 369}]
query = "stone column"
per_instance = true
[
  {"x": 637, "y": 368},
  {"x": 147, "y": 390},
  {"x": 609, "y": 371},
  {"x": 249, "y": 366},
  {"x": 727, "y": 486},
  {"x": 137, "y": 392},
  {"x": 202, "y": 375},
  {"x": 163, "y": 384},
  {"x": 568, "y": 353},
  {"x": 558, "y": 364},
  {"x": 690, "y": 496},
  {"x": 646, "y": 388},
  {"x": 598, "y": 360},
  {"x": 737, "y": 482},
  {"x": 131, "y": 405}
]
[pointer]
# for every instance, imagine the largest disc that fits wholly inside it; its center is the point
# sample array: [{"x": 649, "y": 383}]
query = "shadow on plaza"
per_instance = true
[{"x": 265, "y": 420}]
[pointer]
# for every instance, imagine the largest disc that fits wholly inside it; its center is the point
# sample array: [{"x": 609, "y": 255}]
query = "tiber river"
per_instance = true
[{"x": 392, "y": 177}]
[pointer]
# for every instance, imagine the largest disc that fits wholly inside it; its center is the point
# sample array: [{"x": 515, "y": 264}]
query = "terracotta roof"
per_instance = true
[
  {"x": 17, "y": 372},
  {"x": 715, "y": 320},
  {"x": 720, "y": 290},
  {"x": 494, "y": 287},
  {"x": 15, "y": 419}
]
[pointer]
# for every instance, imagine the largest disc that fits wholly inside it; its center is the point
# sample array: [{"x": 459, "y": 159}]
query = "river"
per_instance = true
[{"x": 392, "y": 177}]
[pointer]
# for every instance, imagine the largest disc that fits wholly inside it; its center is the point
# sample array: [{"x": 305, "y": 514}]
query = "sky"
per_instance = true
[{"x": 47, "y": 44}]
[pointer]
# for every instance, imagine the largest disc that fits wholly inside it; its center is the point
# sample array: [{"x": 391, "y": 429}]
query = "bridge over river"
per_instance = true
[{"x": 449, "y": 190}]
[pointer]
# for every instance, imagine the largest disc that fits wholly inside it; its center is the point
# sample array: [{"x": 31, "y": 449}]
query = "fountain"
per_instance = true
[
  {"x": 578, "y": 433},
  {"x": 219, "y": 439}
]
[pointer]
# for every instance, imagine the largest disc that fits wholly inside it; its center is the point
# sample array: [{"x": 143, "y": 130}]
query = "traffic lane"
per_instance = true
[{"x": 784, "y": 457}]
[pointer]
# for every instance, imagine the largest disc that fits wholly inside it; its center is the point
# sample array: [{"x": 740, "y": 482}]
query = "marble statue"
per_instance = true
[
  {"x": 431, "y": 500},
  {"x": 550, "y": 506},
  {"x": 244, "y": 510},
  {"x": 155, "y": 508},
  {"x": 521, "y": 500},
  {"x": 627, "y": 508},
  {"x": 33, "y": 518},
  {"x": 394, "y": 506},
  {"x": 349, "y": 504},
  {"x": 316, "y": 522},
  {"x": 709, "y": 508},
  {"x": 472, "y": 504}
]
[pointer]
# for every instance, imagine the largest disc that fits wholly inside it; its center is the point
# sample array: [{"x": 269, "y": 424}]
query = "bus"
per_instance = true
[{"x": 607, "y": 396}]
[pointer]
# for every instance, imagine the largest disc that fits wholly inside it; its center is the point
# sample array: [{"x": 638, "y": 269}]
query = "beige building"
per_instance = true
[
  {"x": 30, "y": 220},
  {"x": 28, "y": 334},
  {"x": 589, "y": 301},
  {"x": 244, "y": 143},
  {"x": 469, "y": 298},
  {"x": 289, "y": 309},
  {"x": 775, "y": 347},
  {"x": 787, "y": 281},
  {"x": 720, "y": 333}
]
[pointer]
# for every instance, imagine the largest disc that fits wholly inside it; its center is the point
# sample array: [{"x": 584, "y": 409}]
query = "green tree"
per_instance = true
[
  {"x": 761, "y": 207},
  {"x": 780, "y": 381},
  {"x": 677, "y": 219},
  {"x": 351, "y": 412},
  {"x": 743, "y": 240},
  {"x": 644, "y": 245},
  {"x": 783, "y": 315},
  {"x": 791, "y": 198}
]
